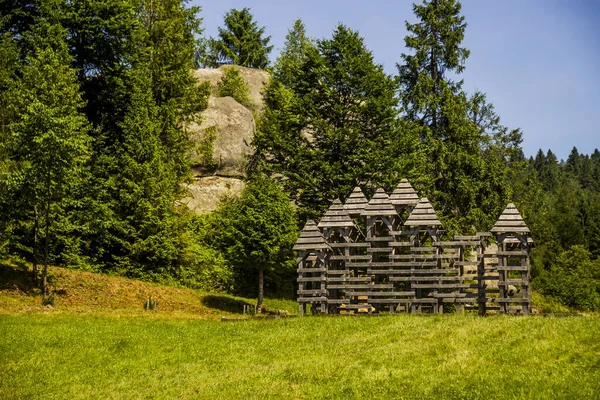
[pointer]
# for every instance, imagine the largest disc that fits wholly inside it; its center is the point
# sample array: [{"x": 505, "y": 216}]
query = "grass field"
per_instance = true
[
  {"x": 460, "y": 356},
  {"x": 99, "y": 343}
]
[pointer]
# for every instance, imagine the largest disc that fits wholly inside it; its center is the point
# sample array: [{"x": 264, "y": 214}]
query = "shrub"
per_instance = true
[
  {"x": 200, "y": 266},
  {"x": 205, "y": 148},
  {"x": 574, "y": 279},
  {"x": 233, "y": 84}
]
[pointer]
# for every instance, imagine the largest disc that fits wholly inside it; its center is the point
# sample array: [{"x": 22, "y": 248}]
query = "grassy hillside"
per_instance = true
[
  {"x": 461, "y": 356},
  {"x": 85, "y": 292}
]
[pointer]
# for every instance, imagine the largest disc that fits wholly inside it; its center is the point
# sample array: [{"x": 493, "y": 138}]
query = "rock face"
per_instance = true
[
  {"x": 206, "y": 192},
  {"x": 235, "y": 130},
  {"x": 231, "y": 147},
  {"x": 256, "y": 79}
]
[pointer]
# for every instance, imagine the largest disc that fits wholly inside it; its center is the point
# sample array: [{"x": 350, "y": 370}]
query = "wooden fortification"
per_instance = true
[{"x": 389, "y": 254}]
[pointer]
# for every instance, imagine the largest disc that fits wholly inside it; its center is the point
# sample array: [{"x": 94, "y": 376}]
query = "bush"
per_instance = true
[
  {"x": 200, "y": 266},
  {"x": 574, "y": 279},
  {"x": 233, "y": 84},
  {"x": 205, "y": 148}
]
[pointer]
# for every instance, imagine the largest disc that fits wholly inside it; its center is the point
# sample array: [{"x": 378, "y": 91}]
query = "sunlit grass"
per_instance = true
[{"x": 453, "y": 356}]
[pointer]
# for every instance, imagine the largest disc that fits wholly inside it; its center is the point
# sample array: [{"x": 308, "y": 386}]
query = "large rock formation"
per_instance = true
[
  {"x": 234, "y": 133},
  {"x": 231, "y": 146}
]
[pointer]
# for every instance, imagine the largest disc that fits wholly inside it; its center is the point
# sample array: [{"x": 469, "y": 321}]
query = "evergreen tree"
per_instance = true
[
  {"x": 463, "y": 182},
  {"x": 142, "y": 155},
  {"x": 233, "y": 84},
  {"x": 51, "y": 131},
  {"x": 241, "y": 42},
  {"x": 256, "y": 232},
  {"x": 10, "y": 167},
  {"x": 289, "y": 63},
  {"x": 548, "y": 170},
  {"x": 335, "y": 127}
]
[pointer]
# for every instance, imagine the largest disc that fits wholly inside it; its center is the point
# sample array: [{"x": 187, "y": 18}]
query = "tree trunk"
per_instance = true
[
  {"x": 261, "y": 281},
  {"x": 45, "y": 271},
  {"x": 36, "y": 227}
]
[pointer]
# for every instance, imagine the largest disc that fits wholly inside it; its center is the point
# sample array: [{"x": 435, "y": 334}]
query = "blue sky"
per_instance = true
[{"x": 537, "y": 60}]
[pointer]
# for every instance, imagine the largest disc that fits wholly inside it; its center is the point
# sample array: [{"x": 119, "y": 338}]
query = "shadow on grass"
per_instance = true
[
  {"x": 17, "y": 278},
  {"x": 225, "y": 303}
]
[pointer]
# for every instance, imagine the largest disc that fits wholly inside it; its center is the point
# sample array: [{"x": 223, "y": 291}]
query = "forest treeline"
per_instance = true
[{"x": 95, "y": 97}]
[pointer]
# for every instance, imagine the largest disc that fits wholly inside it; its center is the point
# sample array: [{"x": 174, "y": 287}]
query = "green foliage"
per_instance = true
[
  {"x": 133, "y": 58},
  {"x": 49, "y": 300},
  {"x": 241, "y": 42},
  {"x": 233, "y": 84},
  {"x": 205, "y": 148},
  {"x": 257, "y": 230},
  {"x": 466, "y": 171},
  {"x": 334, "y": 127},
  {"x": 51, "y": 134},
  {"x": 288, "y": 66},
  {"x": 565, "y": 224},
  {"x": 574, "y": 279}
]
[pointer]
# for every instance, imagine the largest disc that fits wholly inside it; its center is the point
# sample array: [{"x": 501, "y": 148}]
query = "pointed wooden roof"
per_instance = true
[
  {"x": 311, "y": 238},
  {"x": 423, "y": 215},
  {"x": 379, "y": 205},
  {"x": 336, "y": 217},
  {"x": 510, "y": 221},
  {"x": 404, "y": 195},
  {"x": 356, "y": 202}
]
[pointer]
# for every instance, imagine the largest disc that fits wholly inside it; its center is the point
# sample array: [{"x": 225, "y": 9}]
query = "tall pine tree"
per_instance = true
[{"x": 459, "y": 181}]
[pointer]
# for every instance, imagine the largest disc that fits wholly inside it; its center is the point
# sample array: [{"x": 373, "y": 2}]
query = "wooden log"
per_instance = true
[
  {"x": 512, "y": 253},
  {"x": 312, "y": 291},
  {"x": 379, "y": 239},
  {"x": 389, "y": 301},
  {"x": 457, "y": 243},
  {"x": 427, "y": 278},
  {"x": 350, "y": 279},
  {"x": 418, "y": 271},
  {"x": 511, "y": 268},
  {"x": 355, "y": 244},
  {"x": 443, "y": 286},
  {"x": 311, "y": 270},
  {"x": 312, "y": 279},
  {"x": 515, "y": 282},
  {"x": 350, "y": 286},
  {"x": 379, "y": 294},
  {"x": 349, "y": 258},
  {"x": 338, "y": 301},
  {"x": 379, "y": 250},
  {"x": 311, "y": 299}
]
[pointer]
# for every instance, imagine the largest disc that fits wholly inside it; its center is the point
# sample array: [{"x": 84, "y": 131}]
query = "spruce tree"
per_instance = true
[
  {"x": 143, "y": 160},
  {"x": 51, "y": 131},
  {"x": 461, "y": 181},
  {"x": 335, "y": 126},
  {"x": 256, "y": 231},
  {"x": 240, "y": 42},
  {"x": 289, "y": 63}
]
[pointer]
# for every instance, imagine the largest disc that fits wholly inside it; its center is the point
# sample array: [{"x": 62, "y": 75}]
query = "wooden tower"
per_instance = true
[
  {"x": 313, "y": 256},
  {"x": 423, "y": 220},
  {"x": 512, "y": 236}
]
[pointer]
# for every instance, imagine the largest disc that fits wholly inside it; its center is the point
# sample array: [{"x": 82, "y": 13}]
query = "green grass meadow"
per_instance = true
[{"x": 453, "y": 356}]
